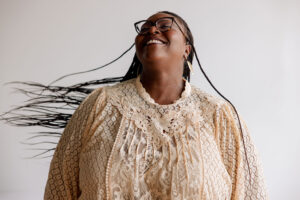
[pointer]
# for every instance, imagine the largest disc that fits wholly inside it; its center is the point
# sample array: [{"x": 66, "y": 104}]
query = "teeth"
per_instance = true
[{"x": 154, "y": 41}]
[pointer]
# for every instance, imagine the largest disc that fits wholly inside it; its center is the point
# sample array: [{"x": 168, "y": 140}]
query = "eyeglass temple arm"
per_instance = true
[{"x": 186, "y": 38}]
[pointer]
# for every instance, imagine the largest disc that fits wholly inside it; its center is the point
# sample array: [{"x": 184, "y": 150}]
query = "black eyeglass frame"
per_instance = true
[{"x": 155, "y": 24}]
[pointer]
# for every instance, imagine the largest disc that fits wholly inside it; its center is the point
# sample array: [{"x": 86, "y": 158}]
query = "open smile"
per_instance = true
[
  {"x": 154, "y": 41},
  {"x": 150, "y": 42}
]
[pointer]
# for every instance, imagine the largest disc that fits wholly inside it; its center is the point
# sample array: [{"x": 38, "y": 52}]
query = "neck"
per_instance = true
[{"x": 163, "y": 87}]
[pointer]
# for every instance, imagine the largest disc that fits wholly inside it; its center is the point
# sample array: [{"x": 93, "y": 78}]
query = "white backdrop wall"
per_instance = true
[{"x": 249, "y": 49}]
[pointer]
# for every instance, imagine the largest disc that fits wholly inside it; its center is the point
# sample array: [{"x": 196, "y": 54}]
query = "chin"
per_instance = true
[
  {"x": 154, "y": 56},
  {"x": 151, "y": 58}
]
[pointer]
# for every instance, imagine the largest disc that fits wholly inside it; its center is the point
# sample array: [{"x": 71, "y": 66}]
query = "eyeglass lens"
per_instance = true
[{"x": 161, "y": 24}]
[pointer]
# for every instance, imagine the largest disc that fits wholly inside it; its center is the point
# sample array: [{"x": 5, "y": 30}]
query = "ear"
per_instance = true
[{"x": 187, "y": 50}]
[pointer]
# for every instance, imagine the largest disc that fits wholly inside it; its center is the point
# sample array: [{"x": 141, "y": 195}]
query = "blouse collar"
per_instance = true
[{"x": 145, "y": 95}]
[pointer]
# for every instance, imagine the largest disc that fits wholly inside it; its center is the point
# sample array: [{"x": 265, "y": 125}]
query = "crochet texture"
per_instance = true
[{"x": 120, "y": 144}]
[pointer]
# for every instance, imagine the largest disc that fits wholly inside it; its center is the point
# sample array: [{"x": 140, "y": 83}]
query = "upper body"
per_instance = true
[
  {"x": 121, "y": 144},
  {"x": 155, "y": 136}
]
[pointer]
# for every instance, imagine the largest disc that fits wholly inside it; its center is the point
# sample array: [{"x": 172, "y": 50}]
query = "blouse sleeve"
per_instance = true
[
  {"x": 63, "y": 175},
  {"x": 245, "y": 185}
]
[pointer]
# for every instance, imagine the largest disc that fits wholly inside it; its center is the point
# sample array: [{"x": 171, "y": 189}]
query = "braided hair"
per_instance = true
[{"x": 51, "y": 106}]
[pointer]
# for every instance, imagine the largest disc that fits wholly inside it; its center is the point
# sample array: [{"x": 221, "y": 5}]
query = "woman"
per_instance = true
[{"x": 153, "y": 135}]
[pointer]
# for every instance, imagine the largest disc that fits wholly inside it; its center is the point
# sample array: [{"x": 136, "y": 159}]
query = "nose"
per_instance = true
[{"x": 153, "y": 29}]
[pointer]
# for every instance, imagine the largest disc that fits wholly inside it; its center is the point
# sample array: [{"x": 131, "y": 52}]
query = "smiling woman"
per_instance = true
[
  {"x": 162, "y": 48},
  {"x": 153, "y": 135}
]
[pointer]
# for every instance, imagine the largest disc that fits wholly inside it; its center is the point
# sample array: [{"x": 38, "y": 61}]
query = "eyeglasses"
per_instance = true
[{"x": 162, "y": 24}]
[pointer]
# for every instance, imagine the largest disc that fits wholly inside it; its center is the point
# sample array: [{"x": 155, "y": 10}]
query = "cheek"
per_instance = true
[
  {"x": 138, "y": 44},
  {"x": 136, "y": 39},
  {"x": 176, "y": 43}
]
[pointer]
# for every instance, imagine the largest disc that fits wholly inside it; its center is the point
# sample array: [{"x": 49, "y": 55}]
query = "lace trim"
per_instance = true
[{"x": 145, "y": 95}]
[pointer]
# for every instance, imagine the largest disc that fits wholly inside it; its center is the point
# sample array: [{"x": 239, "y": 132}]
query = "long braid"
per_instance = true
[
  {"x": 52, "y": 106},
  {"x": 190, "y": 40}
]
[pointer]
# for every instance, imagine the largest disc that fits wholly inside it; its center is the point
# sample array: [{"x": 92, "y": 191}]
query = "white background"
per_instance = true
[{"x": 249, "y": 49}]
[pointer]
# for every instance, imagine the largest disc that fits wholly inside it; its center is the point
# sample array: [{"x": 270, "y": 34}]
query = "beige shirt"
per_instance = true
[{"x": 120, "y": 144}]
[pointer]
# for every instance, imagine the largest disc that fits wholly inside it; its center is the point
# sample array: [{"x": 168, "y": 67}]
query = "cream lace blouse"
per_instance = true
[{"x": 120, "y": 144}]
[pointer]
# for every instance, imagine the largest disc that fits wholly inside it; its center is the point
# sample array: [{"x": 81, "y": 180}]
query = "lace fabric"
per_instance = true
[
  {"x": 121, "y": 144},
  {"x": 143, "y": 93}
]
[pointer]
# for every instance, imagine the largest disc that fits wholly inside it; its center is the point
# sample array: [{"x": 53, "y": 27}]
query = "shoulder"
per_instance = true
[
  {"x": 118, "y": 95},
  {"x": 103, "y": 92},
  {"x": 210, "y": 101},
  {"x": 216, "y": 104},
  {"x": 121, "y": 88}
]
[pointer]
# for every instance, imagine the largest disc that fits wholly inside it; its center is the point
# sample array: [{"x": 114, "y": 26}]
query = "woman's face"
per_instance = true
[{"x": 172, "y": 49}]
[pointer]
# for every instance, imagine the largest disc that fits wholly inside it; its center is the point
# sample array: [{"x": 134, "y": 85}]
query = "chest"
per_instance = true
[{"x": 156, "y": 160}]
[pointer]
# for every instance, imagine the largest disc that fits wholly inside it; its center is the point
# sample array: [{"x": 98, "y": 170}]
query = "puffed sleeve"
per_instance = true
[
  {"x": 232, "y": 149},
  {"x": 63, "y": 175}
]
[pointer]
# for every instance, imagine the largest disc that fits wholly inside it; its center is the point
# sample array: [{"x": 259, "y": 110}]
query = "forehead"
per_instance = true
[{"x": 159, "y": 15}]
